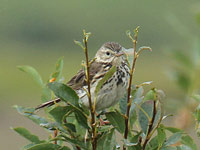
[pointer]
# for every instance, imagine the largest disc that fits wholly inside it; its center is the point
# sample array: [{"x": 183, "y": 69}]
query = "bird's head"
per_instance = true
[{"x": 110, "y": 52}]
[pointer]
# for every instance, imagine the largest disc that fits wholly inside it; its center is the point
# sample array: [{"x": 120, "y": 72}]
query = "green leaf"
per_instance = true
[
  {"x": 173, "y": 139},
  {"x": 29, "y": 113},
  {"x": 46, "y": 94},
  {"x": 105, "y": 78},
  {"x": 70, "y": 126},
  {"x": 26, "y": 134},
  {"x": 33, "y": 73},
  {"x": 28, "y": 146},
  {"x": 117, "y": 120},
  {"x": 107, "y": 141},
  {"x": 79, "y": 44},
  {"x": 137, "y": 95},
  {"x": 147, "y": 107},
  {"x": 135, "y": 139},
  {"x": 104, "y": 128},
  {"x": 183, "y": 147},
  {"x": 133, "y": 118},
  {"x": 64, "y": 92},
  {"x": 137, "y": 99},
  {"x": 153, "y": 144},
  {"x": 64, "y": 148},
  {"x": 123, "y": 105},
  {"x": 169, "y": 148},
  {"x": 48, "y": 146},
  {"x": 161, "y": 136},
  {"x": 84, "y": 109},
  {"x": 52, "y": 126},
  {"x": 59, "y": 67},
  {"x": 129, "y": 56},
  {"x": 130, "y": 144},
  {"x": 86, "y": 35},
  {"x": 151, "y": 95},
  {"x": 81, "y": 119},
  {"x": 128, "y": 32},
  {"x": 80, "y": 130},
  {"x": 81, "y": 144},
  {"x": 187, "y": 140},
  {"x": 196, "y": 97},
  {"x": 143, "y": 119},
  {"x": 59, "y": 112},
  {"x": 173, "y": 130}
]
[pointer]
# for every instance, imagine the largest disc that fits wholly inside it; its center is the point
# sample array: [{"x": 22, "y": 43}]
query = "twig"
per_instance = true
[
  {"x": 150, "y": 126},
  {"x": 144, "y": 48},
  {"x": 159, "y": 121},
  {"x": 135, "y": 55},
  {"x": 55, "y": 135},
  {"x": 130, "y": 82},
  {"x": 92, "y": 112}
]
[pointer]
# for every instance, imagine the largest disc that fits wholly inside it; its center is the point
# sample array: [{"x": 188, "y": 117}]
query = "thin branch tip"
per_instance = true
[
  {"x": 135, "y": 56},
  {"x": 91, "y": 106},
  {"x": 143, "y": 48}
]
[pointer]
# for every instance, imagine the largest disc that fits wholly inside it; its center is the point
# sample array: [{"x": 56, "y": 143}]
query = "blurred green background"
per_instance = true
[{"x": 37, "y": 33}]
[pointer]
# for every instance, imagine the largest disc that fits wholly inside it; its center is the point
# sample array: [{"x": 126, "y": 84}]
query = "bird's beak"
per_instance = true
[{"x": 119, "y": 54}]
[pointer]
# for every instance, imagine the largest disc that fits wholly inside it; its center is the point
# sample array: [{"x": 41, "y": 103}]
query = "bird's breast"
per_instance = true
[{"x": 111, "y": 91}]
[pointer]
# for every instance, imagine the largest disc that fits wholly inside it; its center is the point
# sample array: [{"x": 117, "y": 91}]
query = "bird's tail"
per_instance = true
[{"x": 48, "y": 104}]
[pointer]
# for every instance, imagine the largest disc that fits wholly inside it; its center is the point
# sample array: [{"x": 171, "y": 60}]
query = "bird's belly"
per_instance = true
[
  {"x": 109, "y": 94},
  {"x": 110, "y": 97}
]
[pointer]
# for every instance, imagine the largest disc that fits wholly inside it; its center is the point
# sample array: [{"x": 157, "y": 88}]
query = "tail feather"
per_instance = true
[{"x": 48, "y": 104}]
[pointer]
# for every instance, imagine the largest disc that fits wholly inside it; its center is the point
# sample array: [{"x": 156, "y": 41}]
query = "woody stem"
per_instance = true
[
  {"x": 129, "y": 88},
  {"x": 92, "y": 112}
]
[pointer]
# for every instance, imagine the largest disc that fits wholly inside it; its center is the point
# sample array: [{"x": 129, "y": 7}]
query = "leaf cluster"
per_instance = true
[
  {"x": 185, "y": 72},
  {"x": 71, "y": 120}
]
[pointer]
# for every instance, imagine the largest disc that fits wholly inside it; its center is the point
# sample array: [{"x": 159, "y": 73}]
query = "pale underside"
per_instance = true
[{"x": 111, "y": 92}]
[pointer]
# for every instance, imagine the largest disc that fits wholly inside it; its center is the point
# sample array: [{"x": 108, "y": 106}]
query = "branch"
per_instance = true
[
  {"x": 92, "y": 111},
  {"x": 55, "y": 135},
  {"x": 150, "y": 126},
  {"x": 159, "y": 121},
  {"x": 144, "y": 48},
  {"x": 134, "y": 40}
]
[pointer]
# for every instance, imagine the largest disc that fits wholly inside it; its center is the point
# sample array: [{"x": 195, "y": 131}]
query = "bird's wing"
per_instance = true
[{"x": 97, "y": 70}]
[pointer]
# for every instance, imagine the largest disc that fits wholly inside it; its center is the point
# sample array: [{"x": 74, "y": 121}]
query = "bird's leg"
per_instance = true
[{"x": 102, "y": 122}]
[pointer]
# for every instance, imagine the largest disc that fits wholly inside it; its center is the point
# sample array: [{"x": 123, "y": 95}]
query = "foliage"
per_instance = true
[
  {"x": 185, "y": 72},
  {"x": 70, "y": 122}
]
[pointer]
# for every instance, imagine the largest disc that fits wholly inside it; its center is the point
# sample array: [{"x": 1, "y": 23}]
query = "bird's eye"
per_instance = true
[{"x": 108, "y": 53}]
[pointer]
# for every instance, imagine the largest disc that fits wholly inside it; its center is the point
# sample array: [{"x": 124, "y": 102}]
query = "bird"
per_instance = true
[{"x": 110, "y": 54}]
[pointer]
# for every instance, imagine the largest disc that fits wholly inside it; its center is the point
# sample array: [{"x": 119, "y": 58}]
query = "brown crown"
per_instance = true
[{"x": 113, "y": 46}]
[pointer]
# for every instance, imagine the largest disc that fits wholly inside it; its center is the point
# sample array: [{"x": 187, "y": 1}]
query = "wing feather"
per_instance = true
[{"x": 97, "y": 70}]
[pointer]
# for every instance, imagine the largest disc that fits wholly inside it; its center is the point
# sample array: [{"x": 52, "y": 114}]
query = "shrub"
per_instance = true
[{"x": 137, "y": 118}]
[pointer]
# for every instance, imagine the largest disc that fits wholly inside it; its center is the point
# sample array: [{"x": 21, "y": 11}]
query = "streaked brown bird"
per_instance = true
[{"x": 110, "y": 54}]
